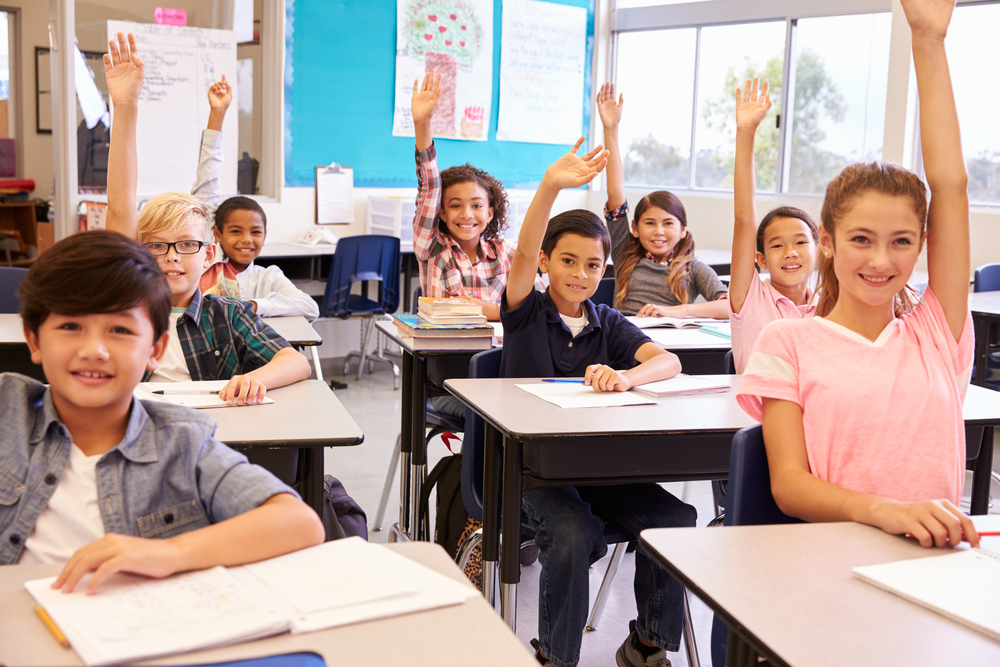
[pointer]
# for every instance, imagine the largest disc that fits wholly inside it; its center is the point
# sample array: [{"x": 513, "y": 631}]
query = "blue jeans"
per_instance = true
[{"x": 569, "y": 530}]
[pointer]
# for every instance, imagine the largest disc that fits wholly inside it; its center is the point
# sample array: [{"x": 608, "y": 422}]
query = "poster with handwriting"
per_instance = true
[
  {"x": 543, "y": 51},
  {"x": 455, "y": 38},
  {"x": 181, "y": 65}
]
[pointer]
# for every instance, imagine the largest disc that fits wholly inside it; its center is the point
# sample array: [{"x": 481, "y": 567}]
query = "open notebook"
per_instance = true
[
  {"x": 193, "y": 394},
  {"x": 337, "y": 583}
]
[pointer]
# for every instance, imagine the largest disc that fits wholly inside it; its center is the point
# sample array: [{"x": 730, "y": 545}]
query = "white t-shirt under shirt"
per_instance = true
[
  {"x": 72, "y": 518},
  {"x": 575, "y": 324},
  {"x": 882, "y": 417},
  {"x": 173, "y": 367}
]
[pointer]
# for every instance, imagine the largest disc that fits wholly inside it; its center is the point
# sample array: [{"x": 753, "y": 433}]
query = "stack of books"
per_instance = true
[{"x": 446, "y": 324}]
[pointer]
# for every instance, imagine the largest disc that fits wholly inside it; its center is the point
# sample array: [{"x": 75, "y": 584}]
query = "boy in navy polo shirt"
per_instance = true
[{"x": 562, "y": 333}]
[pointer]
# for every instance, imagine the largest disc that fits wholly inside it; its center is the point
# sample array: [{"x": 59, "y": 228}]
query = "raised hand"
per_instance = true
[
  {"x": 425, "y": 97},
  {"x": 751, "y": 107},
  {"x": 220, "y": 95},
  {"x": 610, "y": 111},
  {"x": 928, "y": 18},
  {"x": 572, "y": 170},
  {"x": 124, "y": 71}
]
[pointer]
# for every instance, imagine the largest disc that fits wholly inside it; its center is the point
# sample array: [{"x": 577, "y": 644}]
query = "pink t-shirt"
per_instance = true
[
  {"x": 882, "y": 417},
  {"x": 763, "y": 305}
]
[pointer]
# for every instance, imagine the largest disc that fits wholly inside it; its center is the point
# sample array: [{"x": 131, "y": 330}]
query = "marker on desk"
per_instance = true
[
  {"x": 185, "y": 392},
  {"x": 53, "y": 628},
  {"x": 563, "y": 380}
]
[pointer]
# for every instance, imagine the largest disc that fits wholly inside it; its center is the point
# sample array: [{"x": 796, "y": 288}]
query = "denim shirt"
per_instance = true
[{"x": 167, "y": 476}]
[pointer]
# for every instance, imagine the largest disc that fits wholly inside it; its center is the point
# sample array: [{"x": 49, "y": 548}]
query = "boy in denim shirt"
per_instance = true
[
  {"x": 562, "y": 333},
  {"x": 90, "y": 476}
]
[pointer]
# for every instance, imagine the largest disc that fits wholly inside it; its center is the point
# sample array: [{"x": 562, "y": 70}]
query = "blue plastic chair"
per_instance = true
[
  {"x": 11, "y": 278},
  {"x": 749, "y": 503},
  {"x": 987, "y": 279},
  {"x": 719, "y": 485},
  {"x": 367, "y": 259},
  {"x": 605, "y": 292}
]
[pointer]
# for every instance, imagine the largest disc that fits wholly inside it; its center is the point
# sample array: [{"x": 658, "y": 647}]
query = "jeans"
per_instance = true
[{"x": 569, "y": 530}]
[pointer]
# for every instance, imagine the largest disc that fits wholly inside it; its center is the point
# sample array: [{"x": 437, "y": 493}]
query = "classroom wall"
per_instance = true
[{"x": 36, "y": 158}]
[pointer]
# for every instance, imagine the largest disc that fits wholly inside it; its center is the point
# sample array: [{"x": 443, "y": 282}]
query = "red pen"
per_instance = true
[{"x": 984, "y": 533}]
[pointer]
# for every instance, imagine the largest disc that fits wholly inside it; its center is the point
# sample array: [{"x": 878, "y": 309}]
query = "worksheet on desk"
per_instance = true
[
  {"x": 579, "y": 395},
  {"x": 194, "y": 394}
]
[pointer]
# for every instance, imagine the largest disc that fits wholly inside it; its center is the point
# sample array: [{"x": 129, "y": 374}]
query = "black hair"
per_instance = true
[
  {"x": 580, "y": 222},
  {"x": 237, "y": 204},
  {"x": 786, "y": 212}
]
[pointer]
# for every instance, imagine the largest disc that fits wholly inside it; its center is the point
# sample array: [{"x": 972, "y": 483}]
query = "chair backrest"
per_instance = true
[
  {"x": 987, "y": 278},
  {"x": 605, "y": 292},
  {"x": 729, "y": 365},
  {"x": 415, "y": 304},
  {"x": 362, "y": 258},
  {"x": 483, "y": 365},
  {"x": 748, "y": 499},
  {"x": 11, "y": 278}
]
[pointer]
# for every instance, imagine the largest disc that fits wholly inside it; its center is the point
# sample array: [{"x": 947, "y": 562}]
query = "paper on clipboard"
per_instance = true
[{"x": 334, "y": 195}]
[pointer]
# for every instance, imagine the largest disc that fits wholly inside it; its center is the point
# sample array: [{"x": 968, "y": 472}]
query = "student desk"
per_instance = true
[
  {"x": 700, "y": 353},
  {"x": 787, "y": 593},
  {"x": 464, "y": 634},
  {"x": 985, "y": 307},
  {"x": 305, "y": 415},
  {"x": 14, "y": 355},
  {"x": 531, "y": 443},
  {"x": 299, "y": 333}
]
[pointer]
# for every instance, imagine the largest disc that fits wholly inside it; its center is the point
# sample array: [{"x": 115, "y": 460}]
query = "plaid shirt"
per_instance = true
[
  {"x": 222, "y": 337},
  {"x": 445, "y": 269}
]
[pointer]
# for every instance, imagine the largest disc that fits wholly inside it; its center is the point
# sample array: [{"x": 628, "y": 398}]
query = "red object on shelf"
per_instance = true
[{"x": 26, "y": 184}]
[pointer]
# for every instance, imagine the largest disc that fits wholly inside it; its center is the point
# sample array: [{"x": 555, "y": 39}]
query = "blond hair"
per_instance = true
[{"x": 172, "y": 211}]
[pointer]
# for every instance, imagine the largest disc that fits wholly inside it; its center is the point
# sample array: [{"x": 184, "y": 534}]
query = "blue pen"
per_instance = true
[{"x": 563, "y": 380}]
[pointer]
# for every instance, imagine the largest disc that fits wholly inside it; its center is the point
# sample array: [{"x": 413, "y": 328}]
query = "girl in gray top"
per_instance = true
[{"x": 656, "y": 273}]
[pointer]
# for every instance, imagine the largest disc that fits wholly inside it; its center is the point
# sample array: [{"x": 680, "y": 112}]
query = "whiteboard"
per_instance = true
[{"x": 181, "y": 65}]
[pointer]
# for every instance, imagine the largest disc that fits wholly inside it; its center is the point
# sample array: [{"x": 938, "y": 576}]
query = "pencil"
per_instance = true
[
  {"x": 53, "y": 628},
  {"x": 563, "y": 380},
  {"x": 185, "y": 392}
]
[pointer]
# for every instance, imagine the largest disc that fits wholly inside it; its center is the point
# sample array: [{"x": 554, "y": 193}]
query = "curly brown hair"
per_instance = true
[{"x": 466, "y": 173}]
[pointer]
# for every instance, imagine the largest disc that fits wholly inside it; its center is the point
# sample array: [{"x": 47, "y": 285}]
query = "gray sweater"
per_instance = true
[{"x": 649, "y": 281}]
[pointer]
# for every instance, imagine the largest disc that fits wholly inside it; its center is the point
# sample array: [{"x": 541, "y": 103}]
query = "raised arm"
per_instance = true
[
  {"x": 611, "y": 115},
  {"x": 944, "y": 166},
  {"x": 125, "y": 73},
  {"x": 751, "y": 109},
  {"x": 422, "y": 106},
  {"x": 207, "y": 180},
  {"x": 569, "y": 171},
  {"x": 219, "y": 97}
]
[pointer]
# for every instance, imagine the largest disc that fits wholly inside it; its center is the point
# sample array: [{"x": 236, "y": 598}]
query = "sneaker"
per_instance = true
[
  {"x": 542, "y": 660},
  {"x": 629, "y": 655}
]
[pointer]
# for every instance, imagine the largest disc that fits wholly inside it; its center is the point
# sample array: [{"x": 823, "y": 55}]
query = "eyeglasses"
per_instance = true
[{"x": 180, "y": 247}]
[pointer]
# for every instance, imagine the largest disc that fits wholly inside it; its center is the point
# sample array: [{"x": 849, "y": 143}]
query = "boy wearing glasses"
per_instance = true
[{"x": 212, "y": 337}]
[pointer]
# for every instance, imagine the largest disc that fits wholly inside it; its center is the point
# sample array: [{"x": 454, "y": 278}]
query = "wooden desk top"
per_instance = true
[
  {"x": 296, "y": 330},
  {"x": 792, "y": 589},
  {"x": 470, "y": 633},
  {"x": 523, "y": 415}
]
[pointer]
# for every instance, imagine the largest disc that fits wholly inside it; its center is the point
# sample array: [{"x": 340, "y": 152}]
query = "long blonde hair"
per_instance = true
[
  {"x": 855, "y": 180},
  {"x": 680, "y": 255}
]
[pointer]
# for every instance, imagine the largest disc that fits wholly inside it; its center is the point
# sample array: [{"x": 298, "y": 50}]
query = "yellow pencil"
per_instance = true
[{"x": 53, "y": 628}]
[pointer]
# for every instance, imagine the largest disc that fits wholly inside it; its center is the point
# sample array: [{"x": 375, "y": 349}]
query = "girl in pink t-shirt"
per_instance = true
[
  {"x": 862, "y": 405},
  {"x": 785, "y": 243}
]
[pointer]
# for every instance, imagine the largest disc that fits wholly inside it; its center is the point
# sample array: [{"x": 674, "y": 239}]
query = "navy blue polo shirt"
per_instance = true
[{"x": 537, "y": 343}]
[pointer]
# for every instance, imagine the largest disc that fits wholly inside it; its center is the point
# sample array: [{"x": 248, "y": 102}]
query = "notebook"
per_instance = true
[
  {"x": 964, "y": 586},
  {"x": 337, "y": 583},
  {"x": 668, "y": 322},
  {"x": 681, "y": 385}
]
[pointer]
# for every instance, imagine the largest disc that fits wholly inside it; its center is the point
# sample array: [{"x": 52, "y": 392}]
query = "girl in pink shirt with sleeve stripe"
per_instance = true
[
  {"x": 784, "y": 243},
  {"x": 862, "y": 405}
]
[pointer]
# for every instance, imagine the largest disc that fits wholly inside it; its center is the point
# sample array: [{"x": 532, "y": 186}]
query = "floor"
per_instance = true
[{"x": 375, "y": 406}]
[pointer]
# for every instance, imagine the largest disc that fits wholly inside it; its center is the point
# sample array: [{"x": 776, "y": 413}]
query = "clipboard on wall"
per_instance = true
[{"x": 334, "y": 194}]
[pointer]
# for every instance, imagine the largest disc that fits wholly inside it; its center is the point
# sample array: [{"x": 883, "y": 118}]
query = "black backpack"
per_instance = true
[
  {"x": 342, "y": 516},
  {"x": 451, "y": 514}
]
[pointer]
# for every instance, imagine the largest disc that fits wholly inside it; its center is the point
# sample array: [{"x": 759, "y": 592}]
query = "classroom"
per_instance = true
[{"x": 679, "y": 173}]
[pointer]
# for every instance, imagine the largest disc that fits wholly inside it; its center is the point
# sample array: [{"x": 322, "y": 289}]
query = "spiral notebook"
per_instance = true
[{"x": 964, "y": 586}]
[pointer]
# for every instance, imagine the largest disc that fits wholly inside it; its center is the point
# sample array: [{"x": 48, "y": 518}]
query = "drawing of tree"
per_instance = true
[{"x": 448, "y": 35}]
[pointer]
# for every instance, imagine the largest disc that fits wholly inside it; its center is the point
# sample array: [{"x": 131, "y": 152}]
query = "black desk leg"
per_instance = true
[
  {"x": 418, "y": 446},
  {"x": 492, "y": 474},
  {"x": 981, "y": 327},
  {"x": 313, "y": 491},
  {"x": 739, "y": 653},
  {"x": 510, "y": 564},
  {"x": 402, "y": 529},
  {"x": 981, "y": 471}
]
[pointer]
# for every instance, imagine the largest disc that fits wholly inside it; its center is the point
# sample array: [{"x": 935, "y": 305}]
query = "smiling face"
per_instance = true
[
  {"x": 93, "y": 362},
  {"x": 789, "y": 252},
  {"x": 242, "y": 237},
  {"x": 466, "y": 211},
  {"x": 182, "y": 271},
  {"x": 658, "y": 232},
  {"x": 575, "y": 268},
  {"x": 876, "y": 245}
]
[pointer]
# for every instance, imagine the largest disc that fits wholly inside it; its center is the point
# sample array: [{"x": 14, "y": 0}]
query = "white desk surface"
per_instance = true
[
  {"x": 791, "y": 587},
  {"x": 524, "y": 414},
  {"x": 296, "y": 330},
  {"x": 986, "y": 303},
  {"x": 677, "y": 340},
  {"x": 11, "y": 328},
  {"x": 466, "y": 634},
  {"x": 287, "y": 249},
  {"x": 714, "y": 257}
]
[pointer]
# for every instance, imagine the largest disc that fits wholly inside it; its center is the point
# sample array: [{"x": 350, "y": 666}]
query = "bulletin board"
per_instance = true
[{"x": 339, "y": 93}]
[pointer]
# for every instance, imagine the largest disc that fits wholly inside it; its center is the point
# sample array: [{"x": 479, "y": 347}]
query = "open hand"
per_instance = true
[
  {"x": 605, "y": 378},
  {"x": 610, "y": 111},
  {"x": 425, "y": 97},
  {"x": 243, "y": 390},
  {"x": 220, "y": 95},
  {"x": 928, "y": 18},
  {"x": 124, "y": 71},
  {"x": 572, "y": 170},
  {"x": 118, "y": 553},
  {"x": 751, "y": 108}
]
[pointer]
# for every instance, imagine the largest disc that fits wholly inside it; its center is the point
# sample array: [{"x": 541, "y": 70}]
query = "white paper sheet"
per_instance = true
[
  {"x": 456, "y": 38},
  {"x": 543, "y": 51},
  {"x": 581, "y": 396},
  {"x": 144, "y": 391},
  {"x": 334, "y": 195},
  {"x": 669, "y": 338}
]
